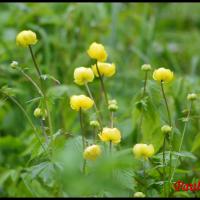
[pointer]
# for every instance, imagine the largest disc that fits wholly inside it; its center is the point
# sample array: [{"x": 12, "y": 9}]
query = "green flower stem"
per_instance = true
[
  {"x": 82, "y": 130},
  {"x": 102, "y": 84},
  {"x": 84, "y": 166},
  {"x": 43, "y": 91},
  {"x": 95, "y": 105},
  {"x": 110, "y": 146},
  {"x": 42, "y": 122},
  {"x": 183, "y": 134},
  {"x": 171, "y": 137},
  {"x": 164, "y": 164},
  {"x": 143, "y": 95},
  {"x": 112, "y": 119},
  {"x": 28, "y": 118}
]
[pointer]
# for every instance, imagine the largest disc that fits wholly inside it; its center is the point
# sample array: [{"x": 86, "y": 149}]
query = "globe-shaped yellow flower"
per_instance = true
[
  {"x": 83, "y": 75},
  {"x": 105, "y": 69},
  {"x": 97, "y": 51},
  {"x": 26, "y": 38},
  {"x": 92, "y": 152},
  {"x": 162, "y": 74},
  {"x": 83, "y": 102},
  {"x": 143, "y": 150},
  {"x": 110, "y": 135}
]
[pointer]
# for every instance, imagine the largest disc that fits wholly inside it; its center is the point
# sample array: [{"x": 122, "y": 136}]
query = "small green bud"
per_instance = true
[
  {"x": 14, "y": 64},
  {"x": 146, "y": 67},
  {"x": 166, "y": 129},
  {"x": 139, "y": 194},
  {"x": 112, "y": 107},
  {"x": 94, "y": 123},
  {"x": 37, "y": 112},
  {"x": 192, "y": 97}
]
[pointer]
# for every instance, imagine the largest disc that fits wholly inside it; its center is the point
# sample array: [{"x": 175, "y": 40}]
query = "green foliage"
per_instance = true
[{"x": 164, "y": 35}]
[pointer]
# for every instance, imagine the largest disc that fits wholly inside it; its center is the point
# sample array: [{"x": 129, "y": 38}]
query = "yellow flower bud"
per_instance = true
[
  {"x": 25, "y": 38},
  {"x": 92, "y": 152},
  {"x": 166, "y": 129},
  {"x": 105, "y": 69},
  {"x": 112, "y": 105},
  {"x": 143, "y": 150},
  {"x": 192, "y": 97},
  {"x": 14, "y": 64},
  {"x": 81, "y": 101},
  {"x": 83, "y": 75},
  {"x": 163, "y": 74},
  {"x": 94, "y": 124},
  {"x": 139, "y": 194},
  {"x": 146, "y": 67},
  {"x": 97, "y": 51},
  {"x": 110, "y": 134},
  {"x": 37, "y": 112}
]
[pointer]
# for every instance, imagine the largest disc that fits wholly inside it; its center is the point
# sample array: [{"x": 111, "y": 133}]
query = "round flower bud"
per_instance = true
[
  {"x": 163, "y": 74},
  {"x": 143, "y": 150},
  {"x": 92, "y": 152},
  {"x": 97, "y": 51},
  {"x": 112, "y": 105},
  {"x": 105, "y": 69},
  {"x": 94, "y": 124},
  {"x": 192, "y": 97},
  {"x": 14, "y": 64},
  {"x": 110, "y": 134},
  {"x": 78, "y": 102},
  {"x": 26, "y": 38},
  {"x": 37, "y": 112},
  {"x": 83, "y": 75},
  {"x": 146, "y": 67},
  {"x": 139, "y": 194},
  {"x": 166, "y": 129}
]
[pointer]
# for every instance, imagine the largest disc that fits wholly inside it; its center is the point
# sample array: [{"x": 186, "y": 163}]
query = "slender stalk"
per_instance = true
[
  {"x": 34, "y": 60},
  {"x": 84, "y": 166},
  {"x": 28, "y": 118},
  {"x": 171, "y": 136},
  {"x": 42, "y": 122},
  {"x": 82, "y": 130},
  {"x": 95, "y": 105},
  {"x": 110, "y": 146},
  {"x": 183, "y": 134},
  {"x": 143, "y": 94},
  {"x": 43, "y": 91},
  {"x": 102, "y": 84},
  {"x": 33, "y": 82},
  {"x": 112, "y": 119},
  {"x": 94, "y": 136},
  {"x": 164, "y": 147}
]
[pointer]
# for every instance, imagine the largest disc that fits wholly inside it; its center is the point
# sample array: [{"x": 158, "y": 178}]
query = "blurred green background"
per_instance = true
[{"x": 162, "y": 34}]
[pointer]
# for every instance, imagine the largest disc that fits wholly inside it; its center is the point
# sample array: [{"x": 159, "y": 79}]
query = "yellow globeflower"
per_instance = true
[
  {"x": 92, "y": 152},
  {"x": 97, "y": 51},
  {"x": 25, "y": 38},
  {"x": 163, "y": 74},
  {"x": 81, "y": 101},
  {"x": 143, "y": 150},
  {"x": 110, "y": 134},
  {"x": 83, "y": 75},
  {"x": 105, "y": 69}
]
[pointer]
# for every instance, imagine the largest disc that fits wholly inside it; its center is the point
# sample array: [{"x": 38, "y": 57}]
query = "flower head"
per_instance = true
[
  {"x": 163, "y": 74},
  {"x": 143, "y": 150},
  {"x": 92, "y": 152},
  {"x": 14, "y": 64},
  {"x": 110, "y": 134},
  {"x": 112, "y": 105},
  {"x": 166, "y": 129},
  {"x": 97, "y": 51},
  {"x": 94, "y": 123},
  {"x": 83, "y": 75},
  {"x": 139, "y": 194},
  {"x": 78, "y": 102},
  {"x": 39, "y": 113},
  {"x": 26, "y": 38},
  {"x": 146, "y": 67},
  {"x": 105, "y": 69},
  {"x": 192, "y": 97}
]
